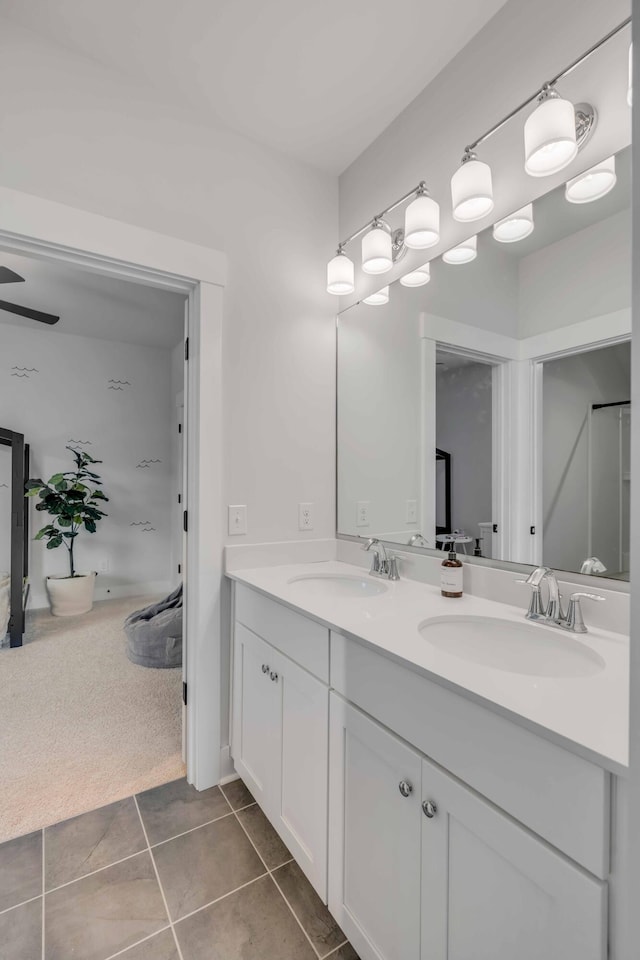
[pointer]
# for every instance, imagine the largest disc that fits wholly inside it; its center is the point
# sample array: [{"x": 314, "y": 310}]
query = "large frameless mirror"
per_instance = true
[{"x": 491, "y": 405}]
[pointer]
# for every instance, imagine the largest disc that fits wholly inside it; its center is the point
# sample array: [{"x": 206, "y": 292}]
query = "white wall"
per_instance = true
[
  {"x": 87, "y": 137},
  {"x": 379, "y": 416},
  {"x": 65, "y": 395},
  {"x": 587, "y": 274}
]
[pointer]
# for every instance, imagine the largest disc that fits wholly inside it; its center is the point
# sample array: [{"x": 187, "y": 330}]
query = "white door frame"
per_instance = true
[{"x": 33, "y": 226}]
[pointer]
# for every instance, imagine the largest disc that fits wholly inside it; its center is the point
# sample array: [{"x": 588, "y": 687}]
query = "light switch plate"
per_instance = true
[
  {"x": 237, "y": 520},
  {"x": 305, "y": 516},
  {"x": 362, "y": 515},
  {"x": 412, "y": 511}
]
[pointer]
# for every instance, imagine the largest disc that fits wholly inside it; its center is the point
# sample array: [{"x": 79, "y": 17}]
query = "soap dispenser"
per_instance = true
[{"x": 451, "y": 574}]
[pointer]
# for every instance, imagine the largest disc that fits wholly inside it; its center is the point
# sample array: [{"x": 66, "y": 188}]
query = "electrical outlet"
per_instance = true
[
  {"x": 305, "y": 516},
  {"x": 237, "y": 520},
  {"x": 362, "y": 515},
  {"x": 412, "y": 511}
]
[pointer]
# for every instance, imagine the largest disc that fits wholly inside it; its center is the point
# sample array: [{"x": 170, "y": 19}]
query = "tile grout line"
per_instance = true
[
  {"x": 277, "y": 886},
  {"x": 153, "y": 863},
  {"x": 22, "y": 903},
  {"x": 223, "y": 897},
  {"x": 138, "y": 942},
  {"x": 320, "y": 956},
  {"x": 129, "y": 856},
  {"x": 43, "y": 889}
]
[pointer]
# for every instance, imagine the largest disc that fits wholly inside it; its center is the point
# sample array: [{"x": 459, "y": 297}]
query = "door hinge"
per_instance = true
[
  {"x": 186, "y": 349},
  {"x": 495, "y": 527},
  {"x": 179, "y": 568},
  {"x": 184, "y": 693},
  {"x": 532, "y": 531},
  {"x": 179, "y": 428},
  {"x": 179, "y": 498},
  {"x": 185, "y": 521}
]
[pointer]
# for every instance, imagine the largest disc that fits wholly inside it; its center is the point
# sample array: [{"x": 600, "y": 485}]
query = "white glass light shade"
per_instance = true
[
  {"x": 417, "y": 278},
  {"x": 550, "y": 137},
  {"x": 630, "y": 89},
  {"x": 376, "y": 249},
  {"x": 340, "y": 275},
  {"x": 472, "y": 191},
  {"x": 422, "y": 223},
  {"x": 378, "y": 298},
  {"x": 593, "y": 183},
  {"x": 464, "y": 253},
  {"x": 515, "y": 227}
]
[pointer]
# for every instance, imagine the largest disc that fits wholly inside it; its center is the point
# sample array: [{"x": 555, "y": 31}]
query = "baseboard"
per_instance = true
[
  {"x": 227, "y": 770},
  {"x": 39, "y": 601}
]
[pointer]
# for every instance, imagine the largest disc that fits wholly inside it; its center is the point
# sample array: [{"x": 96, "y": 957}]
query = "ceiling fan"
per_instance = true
[{"x": 9, "y": 276}]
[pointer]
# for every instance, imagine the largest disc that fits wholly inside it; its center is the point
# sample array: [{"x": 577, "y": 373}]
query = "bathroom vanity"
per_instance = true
[{"x": 445, "y": 802}]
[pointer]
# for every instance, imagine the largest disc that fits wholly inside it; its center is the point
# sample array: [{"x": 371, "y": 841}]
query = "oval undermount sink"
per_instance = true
[
  {"x": 338, "y": 585},
  {"x": 514, "y": 647}
]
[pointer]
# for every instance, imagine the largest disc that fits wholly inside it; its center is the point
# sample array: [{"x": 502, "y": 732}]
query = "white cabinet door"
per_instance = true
[
  {"x": 374, "y": 836},
  {"x": 493, "y": 891},
  {"x": 281, "y": 745},
  {"x": 303, "y": 789},
  {"x": 256, "y": 718}
]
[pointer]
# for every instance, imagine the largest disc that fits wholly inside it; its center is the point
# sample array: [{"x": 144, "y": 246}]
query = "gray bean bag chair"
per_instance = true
[{"x": 154, "y": 635}]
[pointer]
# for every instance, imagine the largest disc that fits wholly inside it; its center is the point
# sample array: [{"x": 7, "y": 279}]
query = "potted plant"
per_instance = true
[{"x": 73, "y": 499}]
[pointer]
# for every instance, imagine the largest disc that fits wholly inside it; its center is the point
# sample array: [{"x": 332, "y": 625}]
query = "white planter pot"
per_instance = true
[{"x": 70, "y": 596}]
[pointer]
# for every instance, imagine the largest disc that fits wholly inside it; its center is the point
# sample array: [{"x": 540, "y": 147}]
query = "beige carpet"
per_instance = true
[{"x": 81, "y": 726}]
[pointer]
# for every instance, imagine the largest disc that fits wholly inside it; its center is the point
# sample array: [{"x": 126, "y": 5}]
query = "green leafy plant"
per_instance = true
[{"x": 73, "y": 499}]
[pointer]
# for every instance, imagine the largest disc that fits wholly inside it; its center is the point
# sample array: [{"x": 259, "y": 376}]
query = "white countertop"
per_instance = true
[{"x": 587, "y": 714}]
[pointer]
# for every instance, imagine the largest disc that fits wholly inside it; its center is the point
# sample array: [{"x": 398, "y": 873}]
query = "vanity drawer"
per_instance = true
[
  {"x": 304, "y": 641},
  {"x": 559, "y": 796}
]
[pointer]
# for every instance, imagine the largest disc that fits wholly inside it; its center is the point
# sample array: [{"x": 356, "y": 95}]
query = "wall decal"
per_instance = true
[
  {"x": 4, "y": 485},
  {"x": 146, "y": 463},
  {"x": 79, "y": 443},
  {"x": 145, "y": 524},
  {"x": 23, "y": 372},
  {"x": 149, "y": 530},
  {"x": 118, "y": 384}
]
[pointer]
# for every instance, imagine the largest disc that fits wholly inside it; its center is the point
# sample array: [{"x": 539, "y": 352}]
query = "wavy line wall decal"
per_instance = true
[
  {"x": 145, "y": 464},
  {"x": 139, "y": 523},
  {"x": 26, "y": 369},
  {"x": 80, "y": 443}
]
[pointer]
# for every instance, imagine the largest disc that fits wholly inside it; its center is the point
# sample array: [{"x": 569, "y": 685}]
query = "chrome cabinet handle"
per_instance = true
[
  {"x": 405, "y": 788},
  {"x": 265, "y": 668},
  {"x": 429, "y": 809},
  {"x": 274, "y": 676}
]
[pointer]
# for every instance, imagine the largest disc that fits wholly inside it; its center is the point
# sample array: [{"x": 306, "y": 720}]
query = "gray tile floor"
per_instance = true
[{"x": 170, "y": 874}]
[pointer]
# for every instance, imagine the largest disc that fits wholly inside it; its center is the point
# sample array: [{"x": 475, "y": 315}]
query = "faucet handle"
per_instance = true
[
  {"x": 393, "y": 567},
  {"x": 574, "y": 620},
  {"x": 536, "y": 610}
]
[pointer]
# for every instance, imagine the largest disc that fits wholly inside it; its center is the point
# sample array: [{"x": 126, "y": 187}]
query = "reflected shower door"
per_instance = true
[{"x": 609, "y": 486}]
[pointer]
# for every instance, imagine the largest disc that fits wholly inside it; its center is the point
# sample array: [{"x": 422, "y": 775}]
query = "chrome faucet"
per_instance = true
[
  {"x": 417, "y": 540},
  {"x": 382, "y": 565},
  {"x": 552, "y": 613}
]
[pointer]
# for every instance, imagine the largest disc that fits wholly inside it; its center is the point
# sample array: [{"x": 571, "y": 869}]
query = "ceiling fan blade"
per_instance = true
[
  {"x": 28, "y": 312},
  {"x": 10, "y": 276}
]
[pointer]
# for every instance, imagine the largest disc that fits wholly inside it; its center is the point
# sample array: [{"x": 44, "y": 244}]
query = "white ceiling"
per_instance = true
[
  {"x": 92, "y": 305},
  {"x": 316, "y": 80}
]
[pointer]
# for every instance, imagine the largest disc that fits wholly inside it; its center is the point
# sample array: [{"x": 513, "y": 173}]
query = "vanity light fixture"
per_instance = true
[
  {"x": 378, "y": 298},
  {"x": 422, "y": 220},
  {"x": 471, "y": 189},
  {"x": 340, "y": 274},
  {"x": 550, "y": 142},
  {"x": 418, "y": 277},
  {"x": 377, "y": 253},
  {"x": 465, "y": 252},
  {"x": 593, "y": 183},
  {"x": 515, "y": 227},
  {"x": 630, "y": 87}
]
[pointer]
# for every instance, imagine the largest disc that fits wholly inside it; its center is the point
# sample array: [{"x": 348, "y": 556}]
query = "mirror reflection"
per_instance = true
[{"x": 491, "y": 405}]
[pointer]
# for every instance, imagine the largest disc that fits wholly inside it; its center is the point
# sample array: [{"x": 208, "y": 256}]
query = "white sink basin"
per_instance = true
[
  {"x": 525, "y": 648},
  {"x": 338, "y": 585}
]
